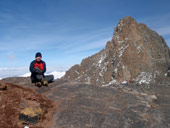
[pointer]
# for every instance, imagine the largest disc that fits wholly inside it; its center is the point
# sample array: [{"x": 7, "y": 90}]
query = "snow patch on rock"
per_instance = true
[
  {"x": 124, "y": 82},
  {"x": 122, "y": 49},
  {"x": 101, "y": 59},
  {"x": 110, "y": 83},
  {"x": 144, "y": 78}
]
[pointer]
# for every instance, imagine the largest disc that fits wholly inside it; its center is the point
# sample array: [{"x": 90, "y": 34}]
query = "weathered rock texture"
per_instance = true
[
  {"x": 77, "y": 105},
  {"x": 14, "y": 103},
  {"x": 135, "y": 54}
]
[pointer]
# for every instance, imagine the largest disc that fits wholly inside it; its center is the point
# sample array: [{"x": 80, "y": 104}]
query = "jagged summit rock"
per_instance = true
[{"x": 134, "y": 54}]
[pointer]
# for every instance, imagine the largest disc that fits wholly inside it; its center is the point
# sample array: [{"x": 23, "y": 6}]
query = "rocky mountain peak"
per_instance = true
[{"x": 135, "y": 54}]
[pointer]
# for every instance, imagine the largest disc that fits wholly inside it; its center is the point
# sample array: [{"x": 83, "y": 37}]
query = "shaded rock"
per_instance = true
[
  {"x": 135, "y": 54},
  {"x": 31, "y": 115},
  {"x": 3, "y": 87}
]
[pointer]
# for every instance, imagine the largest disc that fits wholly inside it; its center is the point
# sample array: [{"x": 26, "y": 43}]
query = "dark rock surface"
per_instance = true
[
  {"x": 80, "y": 105},
  {"x": 135, "y": 54}
]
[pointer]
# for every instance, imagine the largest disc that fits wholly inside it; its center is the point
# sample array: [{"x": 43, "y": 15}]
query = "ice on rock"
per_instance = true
[
  {"x": 100, "y": 74},
  {"x": 139, "y": 49},
  {"x": 115, "y": 70},
  {"x": 116, "y": 37},
  {"x": 126, "y": 39},
  {"x": 144, "y": 78},
  {"x": 103, "y": 56},
  {"x": 124, "y": 82},
  {"x": 77, "y": 72},
  {"x": 121, "y": 41},
  {"x": 113, "y": 82},
  {"x": 123, "y": 67},
  {"x": 122, "y": 49}
]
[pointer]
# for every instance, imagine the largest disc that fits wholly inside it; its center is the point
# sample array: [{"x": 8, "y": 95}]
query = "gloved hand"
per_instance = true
[{"x": 37, "y": 70}]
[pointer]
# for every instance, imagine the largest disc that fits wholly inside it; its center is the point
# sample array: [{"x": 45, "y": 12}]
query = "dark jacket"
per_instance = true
[{"x": 40, "y": 65}]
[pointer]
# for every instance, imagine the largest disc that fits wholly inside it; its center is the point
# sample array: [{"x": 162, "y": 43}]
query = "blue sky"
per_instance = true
[{"x": 66, "y": 31}]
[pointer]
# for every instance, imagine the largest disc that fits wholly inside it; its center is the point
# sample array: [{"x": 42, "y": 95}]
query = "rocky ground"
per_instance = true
[
  {"x": 71, "y": 104},
  {"x": 14, "y": 99}
]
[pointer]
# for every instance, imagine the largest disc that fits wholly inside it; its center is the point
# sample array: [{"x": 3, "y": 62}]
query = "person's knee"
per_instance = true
[
  {"x": 49, "y": 78},
  {"x": 39, "y": 77},
  {"x": 32, "y": 79},
  {"x": 52, "y": 77}
]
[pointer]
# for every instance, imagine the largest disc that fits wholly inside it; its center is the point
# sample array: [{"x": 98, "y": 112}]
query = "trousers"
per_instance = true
[{"x": 38, "y": 78}]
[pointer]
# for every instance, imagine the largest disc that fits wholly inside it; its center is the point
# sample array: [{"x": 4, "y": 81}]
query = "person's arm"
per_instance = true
[
  {"x": 44, "y": 70},
  {"x": 32, "y": 69}
]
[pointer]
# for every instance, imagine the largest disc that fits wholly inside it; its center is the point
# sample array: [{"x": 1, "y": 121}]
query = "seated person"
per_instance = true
[{"x": 37, "y": 69}]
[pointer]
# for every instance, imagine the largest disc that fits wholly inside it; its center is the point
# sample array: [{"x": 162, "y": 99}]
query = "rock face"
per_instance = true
[
  {"x": 135, "y": 54},
  {"x": 78, "y": 105}
]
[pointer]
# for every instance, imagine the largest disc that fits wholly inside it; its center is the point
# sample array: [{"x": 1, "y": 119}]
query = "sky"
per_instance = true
[{"x": 66, "y": 31}]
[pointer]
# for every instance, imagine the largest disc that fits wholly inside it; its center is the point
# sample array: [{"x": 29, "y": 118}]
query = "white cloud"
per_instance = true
[
  {"x": 12, "y": 71},
  {"x": 11, "y": 57},
  {"x": 56, "y": 74},
  {"x": 89, "y": 46},
  {"x": 26, "y": 75},
  {"x": 2, "y": 69},
  {"x": 21, "y": 36},
  {"x": 164, "y": 30},
  {"x": 5, "y": 72},
  {"x": 159, "y": 23}
]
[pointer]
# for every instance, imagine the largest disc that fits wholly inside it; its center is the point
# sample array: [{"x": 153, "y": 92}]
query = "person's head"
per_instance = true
[{"x": 38, "y": 56}]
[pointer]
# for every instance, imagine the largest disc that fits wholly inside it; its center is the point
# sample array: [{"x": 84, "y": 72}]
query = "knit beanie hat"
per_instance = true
[{"x": 38, "y": 54}]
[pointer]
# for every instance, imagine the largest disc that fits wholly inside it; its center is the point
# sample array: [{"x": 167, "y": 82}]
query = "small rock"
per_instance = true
[
  {"x": 3, "y": 106},
  {"x": 153, "y": 97},
  {"x": 31, "y": 115},
  {"x": 3, "y": 87}
]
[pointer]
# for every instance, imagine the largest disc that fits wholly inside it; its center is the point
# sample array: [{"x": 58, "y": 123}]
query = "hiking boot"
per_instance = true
[
  {"x": 38, "y": 84},
  {"x": 44, "y": 82}
]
